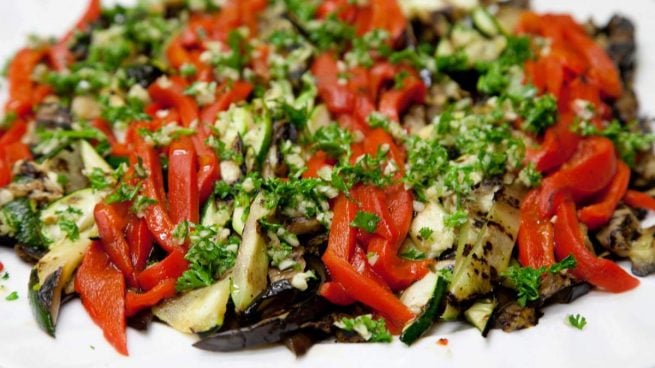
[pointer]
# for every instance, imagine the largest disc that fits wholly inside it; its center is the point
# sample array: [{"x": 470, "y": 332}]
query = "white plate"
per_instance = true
[{"x": 620, "y": 330}]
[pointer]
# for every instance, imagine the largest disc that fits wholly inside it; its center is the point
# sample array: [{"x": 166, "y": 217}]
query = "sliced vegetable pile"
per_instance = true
[{"x": 259, "y": 171}]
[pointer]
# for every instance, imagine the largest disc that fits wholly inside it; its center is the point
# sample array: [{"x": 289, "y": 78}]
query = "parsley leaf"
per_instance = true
[
  {"x": 628, "y": 139},
  {"x": 366, "y": 221},
  {"x": 577, "y": 321},
  {"x": 333, "y": 140},
  {"x": 67, "y": 222},
  {"x": 209, "y": 256},
  {"x": 371, "y": 330},
  {"x": 527, "y": 280},
  {"x": 11, "y": 297}
]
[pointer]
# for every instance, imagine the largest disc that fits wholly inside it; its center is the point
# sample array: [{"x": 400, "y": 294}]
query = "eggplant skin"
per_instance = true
[
  {"x": 42, "y": 297},
  {"x": 267, "y": 331}
]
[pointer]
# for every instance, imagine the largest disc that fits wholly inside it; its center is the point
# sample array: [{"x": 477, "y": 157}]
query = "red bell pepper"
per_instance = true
[
  {"x": 16, "y": 151},
  {"x": 335, "y": 293},
  {"x": 641, "y": 200},
  {"x": 225, "y": 96},
  {"x": 342, "y": 235},
  {"x": 366, "y": 290},
  {"x": 183, "y": 181},
  {"x": 171, "y": 267},
  {"x": 21, "y": 86},
  {"x": 136, "y": 302},
  {"x": 5, "y": 169},
  {"x": 382, "y": 73},
  {"x": 397, "y": 273},
  {"x": 172, "y": 96},
  {"x": 588, "y": 172},
  {"x": 559, "y": 144},
  {"x": 318, "y": 161},
  {"x": 110, "y": 224},
  {"x": 599, "y": 213},
  {"x": 536, "y": 238},
  {"x": 140, "y": 241},
  {"x": 395, "y": 101},
  {"x": 570, "y": 240},
  {"x": 372, "y": 200},
  {"x": 338, "y": 98},
  {"x": 117, "y": 149},
  {"x": 157, "y": 218},
  {"x": 102, "y": 290},
  {"x": 387, "y": 15}
]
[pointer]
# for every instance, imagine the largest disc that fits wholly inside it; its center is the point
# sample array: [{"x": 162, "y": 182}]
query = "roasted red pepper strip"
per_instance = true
[
  {"x": 226, "y": 96},
  {"x": 342, "y": 237},
  {"x": 387, "y": 15},
  {"x": 102, "y": 290},
  {"x": 372, "y": 200},
  {"x": 183, "y": 181},
  {"x": 335, "y": 293},
  {"x": 140, "y": 240},
  {"x": 536, "y": 238},
  {"x": 570, "y": 240},
  {"x": 395, "y": 101},
  {"x": 171, "y": 267},
  {"x": 641, "y": 200},
  {"x": 110, "y": 222},
  {"x": 397, "y": 273},
  {"x": 21, "y": 86},
  {"x": 338, "y": 98},
  {"x": 600, "y": 213},
  {"x": 588, "y": 172},
  {"x": 366, "y": 290},
  {"x": 172, "y": 95},
  {"x": 157, "y": 218},
  {"x": 117, "y": 149},
  {"x": 319, "y": 160},
  {"x": 136, "y": 302}
]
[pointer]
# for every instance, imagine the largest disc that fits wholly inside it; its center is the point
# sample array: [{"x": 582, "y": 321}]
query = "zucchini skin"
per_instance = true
[
  {"x": 429, "y": 316},
  {"x": 41, "y": 299}
]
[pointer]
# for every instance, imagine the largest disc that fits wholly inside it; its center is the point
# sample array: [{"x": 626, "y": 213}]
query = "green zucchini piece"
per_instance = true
[
  {"x": 250, "y": 273},
  {"x": 239, "y": 219},
  {"x": 91, "y": 159},
  {"x": 257, "y": 141},
  {"x": 485, "y": 22},
  {"x": 479, "y": 314},
  {"x": 486, "y": 250},
  {"x": 50, "y": 276},
  {"x": 319, "y": 118},
  {"x": 84, "y": 200},
  {"x": 431, "y": 310},
  {"x": 216, "y": 213},
  {"x": 19, "y": 219},
  {"x": 197, "y": 311}
]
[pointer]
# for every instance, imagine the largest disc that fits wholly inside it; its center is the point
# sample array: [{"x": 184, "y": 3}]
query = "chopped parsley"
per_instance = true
[
  {"x": 210, "y": 257},
  {"x": 538, "y": 113},
  {"x": 456, "y": 219},
  {"x": 576, "y": 321},
  {"x": 333, "y": 140},
  {"x": 124, "y": 193},
  {"x": 67, "y": 222},
  {"x": 370, "y": 329},
  {"x": 425, "y": 233},
  {"x": 527, "y": 280},
  {"x": 141, "y": 203},
  {"x": 12, "y": 296},
  {"x": 366, "y": 221},
  {"x": 628, "y": 139}
]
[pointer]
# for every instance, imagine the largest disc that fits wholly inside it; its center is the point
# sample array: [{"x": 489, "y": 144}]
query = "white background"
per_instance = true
[{"x": 620, "y": 331}]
